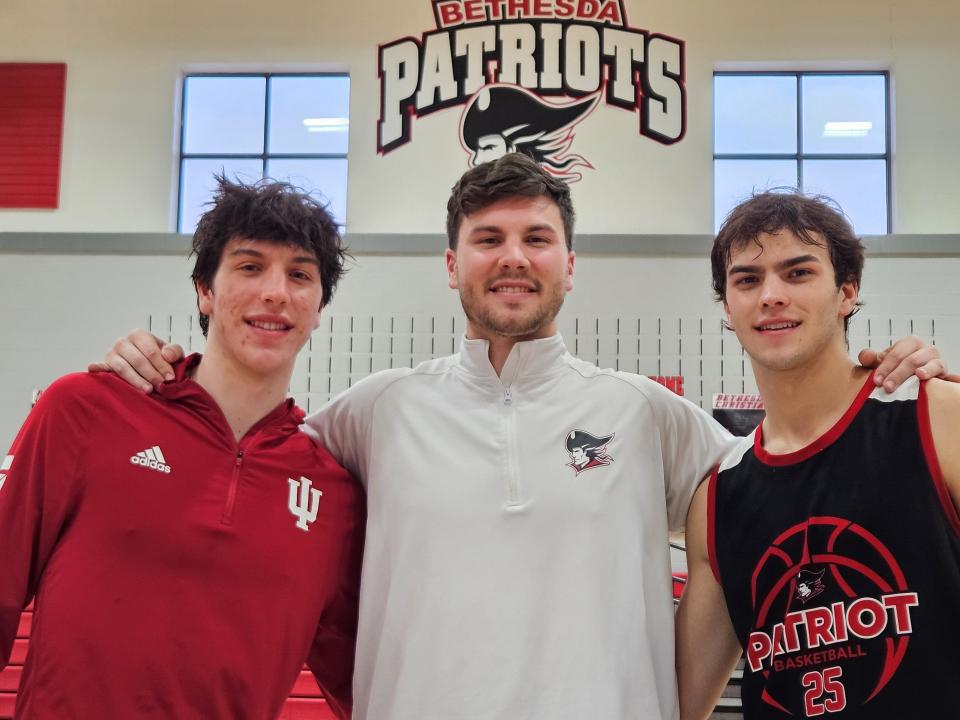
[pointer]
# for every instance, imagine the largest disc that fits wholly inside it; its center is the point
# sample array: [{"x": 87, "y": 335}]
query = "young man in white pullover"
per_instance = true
[{"x": 501, "y": 580}]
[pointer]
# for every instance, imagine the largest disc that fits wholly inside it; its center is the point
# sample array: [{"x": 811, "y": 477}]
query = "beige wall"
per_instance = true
[{"x": 125, "y": 60}]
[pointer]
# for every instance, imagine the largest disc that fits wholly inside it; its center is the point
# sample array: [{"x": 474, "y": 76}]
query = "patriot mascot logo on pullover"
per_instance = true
[{"x": 588, "y": 451}]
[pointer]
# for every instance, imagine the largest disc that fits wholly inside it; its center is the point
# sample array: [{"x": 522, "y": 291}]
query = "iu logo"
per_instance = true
[{"x": 304, "y": 501}]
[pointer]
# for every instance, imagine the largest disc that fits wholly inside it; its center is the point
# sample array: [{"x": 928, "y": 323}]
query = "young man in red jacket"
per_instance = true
[{"x": 187, "y": 551}]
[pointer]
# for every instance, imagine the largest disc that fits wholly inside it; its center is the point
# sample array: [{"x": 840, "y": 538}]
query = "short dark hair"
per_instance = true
[
  {"x": 513, "y": 175},
  {"x": 815, "y": 219},
  {"x": 273, "y": 212}
]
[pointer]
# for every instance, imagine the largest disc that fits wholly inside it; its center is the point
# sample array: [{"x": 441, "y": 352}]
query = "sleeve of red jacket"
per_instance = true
[
  {"x": 334, "y": 647},
  {"x": 37, "y": 492}
]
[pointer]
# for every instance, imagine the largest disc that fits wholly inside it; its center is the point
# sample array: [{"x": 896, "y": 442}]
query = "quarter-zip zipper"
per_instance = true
[
  {"x": 515, "y": 499},
  {"x": 227, "y": 517}
]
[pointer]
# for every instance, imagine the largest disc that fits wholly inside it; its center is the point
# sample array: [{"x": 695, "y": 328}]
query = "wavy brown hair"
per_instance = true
[
  {"x": 513, "y": 175},
  {"x": 815, "y": 219},
  {"x": 274, "y": 212}
]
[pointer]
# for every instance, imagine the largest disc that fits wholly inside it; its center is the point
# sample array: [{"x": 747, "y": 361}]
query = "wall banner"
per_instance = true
[
  {"x": 31, "y": 133},
  {"x": 525, "y": 73}
]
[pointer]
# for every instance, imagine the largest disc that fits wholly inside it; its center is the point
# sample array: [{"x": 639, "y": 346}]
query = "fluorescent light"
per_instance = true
[
  {"x": 326, "y": 124},
  {"x": 847, "y": 129}
]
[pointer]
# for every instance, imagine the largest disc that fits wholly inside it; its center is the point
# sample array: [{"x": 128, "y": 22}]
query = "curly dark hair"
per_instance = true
[
  {"x": 513, "y": 175},
  {"x": 275, "y": 212},
  {"x": 815, "y": 219}
]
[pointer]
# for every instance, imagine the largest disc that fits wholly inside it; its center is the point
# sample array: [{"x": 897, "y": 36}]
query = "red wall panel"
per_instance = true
[{"x": 31, "y": 133}]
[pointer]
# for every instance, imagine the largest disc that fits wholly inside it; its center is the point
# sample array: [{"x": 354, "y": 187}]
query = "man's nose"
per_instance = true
[
  {"x": 276, "y": 286},
  {"x": 773, "y": 292},
  {"x": 514, "y": 254}
]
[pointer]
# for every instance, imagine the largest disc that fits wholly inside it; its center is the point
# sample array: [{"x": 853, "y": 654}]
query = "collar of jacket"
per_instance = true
[
  {"x": 183, "y": 389},
  {"x": 526, "y": 359}
]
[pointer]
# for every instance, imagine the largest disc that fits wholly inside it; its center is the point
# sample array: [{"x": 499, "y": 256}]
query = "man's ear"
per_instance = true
[
  {"x": 571, "y": 259},
  {"x": 316, "y": 319},
  {"x": 204, "y": 298},
  {"x": 726, "y": 320},
  {"x": 451, "y": 259},
  {"x": 849, "y": 293}
]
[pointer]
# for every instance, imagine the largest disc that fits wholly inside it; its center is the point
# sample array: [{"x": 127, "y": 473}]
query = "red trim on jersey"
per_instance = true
[
  {"x": 822, "y": 442},
  {"x": 768, "y": 698},
  {"x": 933, "y": 463},
  {"x": 712, "y": 523},
  {"x": 891, "y": 661}
]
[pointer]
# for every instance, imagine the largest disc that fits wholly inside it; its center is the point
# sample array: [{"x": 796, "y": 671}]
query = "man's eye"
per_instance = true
[
  {"x": 249, "y": 267},
  {"x": 745, "y": 280},
  {"x": 800, "y": 272},
  {"x": 301, "y": 275},
  {"x": 537, "y": 240}
]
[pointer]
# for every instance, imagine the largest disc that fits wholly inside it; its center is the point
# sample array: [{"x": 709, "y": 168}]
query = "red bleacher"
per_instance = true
[{"x": 305, "y": 701}]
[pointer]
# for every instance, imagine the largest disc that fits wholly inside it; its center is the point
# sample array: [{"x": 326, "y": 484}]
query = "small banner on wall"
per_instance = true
[
  {"x": 526, "y": 73},
  {"x": 670, "y": 382},
  {"x": 31, "y": 133},
  {"x": 739, "y": 414}
]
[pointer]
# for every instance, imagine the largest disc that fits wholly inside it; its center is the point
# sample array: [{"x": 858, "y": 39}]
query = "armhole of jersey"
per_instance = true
[
  {"x": 933, "y": 464},
  {"x": 712, "y": 523}
]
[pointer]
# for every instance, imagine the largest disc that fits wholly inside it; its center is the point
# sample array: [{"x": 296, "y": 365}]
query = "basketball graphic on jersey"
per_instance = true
[{"x": 833, "y": 617}]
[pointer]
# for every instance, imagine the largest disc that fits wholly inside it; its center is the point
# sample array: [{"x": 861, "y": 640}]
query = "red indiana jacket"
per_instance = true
[{"x": 176, "y": 573}]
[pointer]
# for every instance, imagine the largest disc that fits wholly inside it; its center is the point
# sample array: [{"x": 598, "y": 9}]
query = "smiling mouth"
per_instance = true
[
  {"x": 512, "y": 290},
  {"x": 777, "y": 326},
  {"x": 271, "y": 326},
  {"x": 507, "y": 285}
]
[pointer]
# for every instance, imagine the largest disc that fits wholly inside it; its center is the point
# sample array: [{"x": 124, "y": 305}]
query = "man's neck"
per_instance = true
[
  {"x": 804, "y": 403},
  {"x": 244, "y": 397}
]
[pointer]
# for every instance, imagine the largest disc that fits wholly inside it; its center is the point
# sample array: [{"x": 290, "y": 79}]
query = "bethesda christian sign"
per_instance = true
[{"x": 526, "y": 72}]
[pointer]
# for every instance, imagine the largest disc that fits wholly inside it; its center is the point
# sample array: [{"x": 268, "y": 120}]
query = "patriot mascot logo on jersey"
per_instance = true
[{"x": 809, "y": 584}]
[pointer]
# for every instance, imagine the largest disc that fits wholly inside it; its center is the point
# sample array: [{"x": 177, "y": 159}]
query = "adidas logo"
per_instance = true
[{"x": 151, "y": 458}]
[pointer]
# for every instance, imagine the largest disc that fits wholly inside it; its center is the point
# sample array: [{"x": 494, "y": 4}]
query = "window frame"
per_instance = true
[
  {"x": 800, "y": 156},
  {"x": 264, "y": 156}
]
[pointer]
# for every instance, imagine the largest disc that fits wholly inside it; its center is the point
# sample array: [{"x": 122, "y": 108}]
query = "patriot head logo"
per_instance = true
[
  {"x": 809, "y": 584},
  {"x": 588, "y": 451},
  {"x": 501, "y": 119}
]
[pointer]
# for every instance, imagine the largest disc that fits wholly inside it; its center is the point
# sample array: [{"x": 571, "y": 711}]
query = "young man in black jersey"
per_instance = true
[{"x": 827, "y": 545}]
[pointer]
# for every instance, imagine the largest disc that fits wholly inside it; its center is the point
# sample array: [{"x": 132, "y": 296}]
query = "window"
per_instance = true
[
  {"x": 825, "y": 133},
  {"x": 284, "y": 127}
]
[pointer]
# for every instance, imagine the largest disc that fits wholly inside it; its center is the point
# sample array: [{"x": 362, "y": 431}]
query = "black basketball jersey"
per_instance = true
[{"x": 840, "y": 564}]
